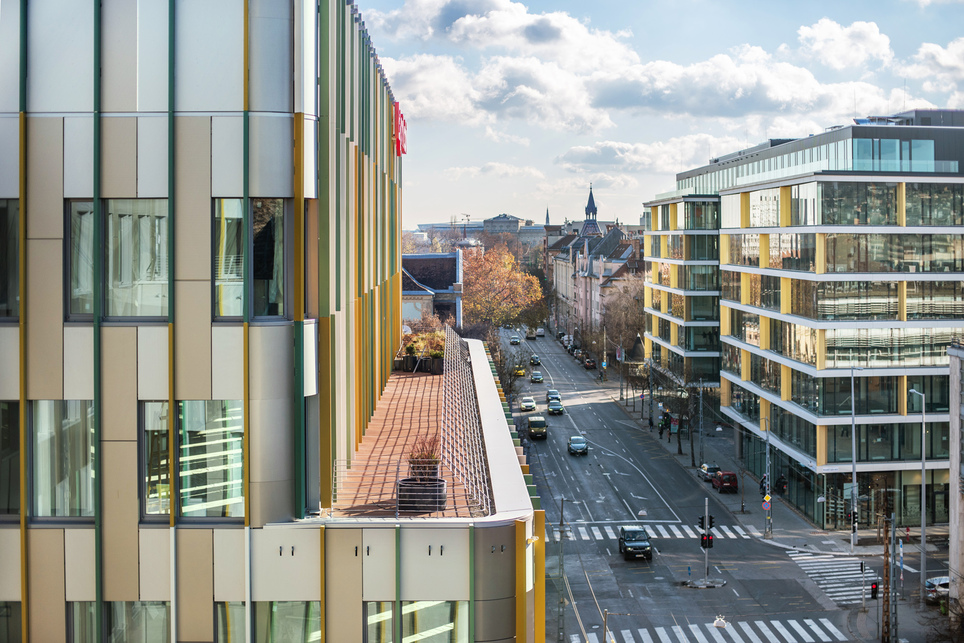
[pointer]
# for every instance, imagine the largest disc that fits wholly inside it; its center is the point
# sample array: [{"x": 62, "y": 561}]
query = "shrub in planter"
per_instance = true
[{"x": 423, "y": 490}]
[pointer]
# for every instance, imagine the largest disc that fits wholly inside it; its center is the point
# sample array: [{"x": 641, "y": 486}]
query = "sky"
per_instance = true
[{"x": 517, "y": 107}]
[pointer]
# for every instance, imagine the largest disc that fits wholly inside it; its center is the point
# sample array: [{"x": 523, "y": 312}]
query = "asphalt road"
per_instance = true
[{"x": 628, "y": 478}]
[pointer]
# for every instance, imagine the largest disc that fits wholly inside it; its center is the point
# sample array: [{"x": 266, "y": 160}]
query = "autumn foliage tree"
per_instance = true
[{"x": 495, "y": 290}]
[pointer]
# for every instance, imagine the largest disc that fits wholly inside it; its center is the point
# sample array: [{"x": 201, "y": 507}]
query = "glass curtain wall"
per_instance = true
[
  {"x": 62, "y": 458},
  {"x": 287, "y": 622},
  {"x": 211, "y": 459},
  {"x": 9, "y": 258},
  {"x": 156, "y": 483},
  {"x": 80, "y": 269},
  {"x": 228, "y": 258},
  {"x": 9, "y": 458},
  {"x": 136, "y": 263}
]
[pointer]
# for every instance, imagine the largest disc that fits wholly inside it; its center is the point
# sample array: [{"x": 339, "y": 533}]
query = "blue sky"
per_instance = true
[{"x": 518, "y": 106}]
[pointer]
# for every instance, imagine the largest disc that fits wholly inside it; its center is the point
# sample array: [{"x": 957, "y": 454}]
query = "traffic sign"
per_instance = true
[
  {"x": 766, "y": 506},
  {"x": 604, "y": 364},
  {"x": 767, "y": 498}
]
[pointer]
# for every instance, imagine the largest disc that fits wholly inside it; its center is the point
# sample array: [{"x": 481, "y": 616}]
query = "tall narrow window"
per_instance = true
[
  {"x": 211, "y": 459},
  {"x": 62, "y": 458},
  {"x": 228, "y": 258},
  {"x": 156, "y": 480},
  {"x": 80, "y": 263},
  {"x": 9, "y": 258},
  {"x": 136, "y": 262},
  {"x": 9, "y": 458},
  {"x": 268, "y": 235}
]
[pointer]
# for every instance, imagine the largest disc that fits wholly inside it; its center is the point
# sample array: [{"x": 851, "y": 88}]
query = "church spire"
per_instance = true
[
  {"x": 591, "y": 206},
  {"x": 547, "y": 216}
]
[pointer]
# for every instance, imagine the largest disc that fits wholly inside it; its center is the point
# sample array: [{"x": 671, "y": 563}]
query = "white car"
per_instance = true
[
  {"x": 540, "y": 332},
  {"x": 528, "y": 404}
]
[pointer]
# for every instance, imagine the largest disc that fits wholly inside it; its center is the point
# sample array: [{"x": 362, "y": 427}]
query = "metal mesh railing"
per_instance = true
[{"x": 463, "y": 449}]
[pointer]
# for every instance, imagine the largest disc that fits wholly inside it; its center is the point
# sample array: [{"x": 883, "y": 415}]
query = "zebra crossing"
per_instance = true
[
  {"x": 800, "y": 630},
  {"x": 601, "y": 532},
  {"x": 839, "y": 577}
]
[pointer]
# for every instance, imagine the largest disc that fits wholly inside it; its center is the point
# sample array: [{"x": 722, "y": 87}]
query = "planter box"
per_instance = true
[{"x": 421, "y": 496}]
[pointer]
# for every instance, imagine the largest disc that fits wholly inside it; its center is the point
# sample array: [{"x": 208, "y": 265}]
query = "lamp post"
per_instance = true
[
  {"x": 768, "y": 528},
  {"x": 923, "y": 493},
  {"x": 853, "y": 454}
]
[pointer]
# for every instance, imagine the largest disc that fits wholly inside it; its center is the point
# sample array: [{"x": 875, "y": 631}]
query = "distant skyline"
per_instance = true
[{"x": 517, "y": 107}]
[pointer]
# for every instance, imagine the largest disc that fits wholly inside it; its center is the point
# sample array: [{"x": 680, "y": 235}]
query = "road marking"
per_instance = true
[
  {"x": 697, "y": 633},
  {"x": 609, "y": 532},
  {"x": 753, "y": 530},
  {"x": 731, "y": 630},
  {"x": 778, "y": 626},
  {"x": 676, "y": 532},
  {"x": 662, "y": 531},
  {"x": 749, "y": 632},
  {"x": 644, "y": 635},
  {"x": 583, "y": 533},
  {"x": 740, "y": 531},
  {"x": 627, "y": 636},
  {"x": 689, "y": 532},
  {"x": 715, "y": 633},
  {"x": 678, "y": 631},
  {"x": 661, "y": 633},
  {"x": 592, "y": 637},
  {"x": 729, "y": 534},
  {"x": 816, "y": 630},
  {"x": 766, "y": 632},
  {"x": 802, "y": 632},
  {"x": 596, "y": 533},
  {"x": 830, "y": 628}
]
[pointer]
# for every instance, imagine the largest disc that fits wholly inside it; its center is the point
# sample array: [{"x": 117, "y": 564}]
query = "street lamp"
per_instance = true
[
  {"x": 768, "y": 528},
  {"x": 923, "y": 493},
  {"x": 853, "y": 454}
]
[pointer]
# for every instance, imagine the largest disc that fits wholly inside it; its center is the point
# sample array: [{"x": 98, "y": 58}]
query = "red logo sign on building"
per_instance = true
[{"x": 401, "y": 132}]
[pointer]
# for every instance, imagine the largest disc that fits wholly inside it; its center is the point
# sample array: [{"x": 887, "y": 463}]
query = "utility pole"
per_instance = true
[
  {"x": 706, "y": 532},
  {"x": 701, "y": 422},
  {"x": 885, "y": 607}
]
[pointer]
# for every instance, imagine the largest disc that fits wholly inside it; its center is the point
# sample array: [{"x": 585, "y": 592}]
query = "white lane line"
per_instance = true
[
  {"x": 698, "y": 633},
  {"x": 677, "y": 532},
  {"x": 731, "y": 630},
  {"x": 753, "y": 530},
  {"x": 574, "y": 638},
  {"x": 715, "y": 633},
  {"x": 644, "y": 635},
  {"x": 740, "y": 531},
  {"x": 596, "y": 533},
  {"x": 583, "y": 533},
  {"x": 778, "y": 626},
  {"x": 627, "y": 636},
  {"x": 749, "y": 632},
  {"x": 766, "y": 632},
  {"x": 816, "y": 630},
  {"x": 678, "y": 631},
  {"x": 833, "y": 630},
  {"x": 802, "y": 632},
  {"x": 663, "y": 532},
  {"x": 610, "y": 533},
  {"x": 663, "y": 636},
  {"x": 729, "y": 534},
  {"x": 689, "y": 532}
]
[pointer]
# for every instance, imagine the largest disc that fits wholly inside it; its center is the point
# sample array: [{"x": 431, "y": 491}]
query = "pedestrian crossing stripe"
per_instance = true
[
  {"x": 839, "y": 577},
  {"x": 805, "y": 630},
  {"x": 588, "y": 531}
]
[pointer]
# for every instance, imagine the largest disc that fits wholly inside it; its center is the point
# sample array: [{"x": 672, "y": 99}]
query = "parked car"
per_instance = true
[
  {"x": 560, "y": 334},
  {"x": 578, "y": 445},
  {"x": 536, "y": 376},
  {"x": 514, "y": 340},
  {"x": 538, "y": 427},
  {"x": 555, "y": 408},
  {"x": 552, "y": 394},
  {"x": 535, "y": 360},
  {"x": 634, "y": 542},
  {"x": 707, "y": 471},
  {"x": 571, "y": 349},
  {"x": 725, "y": 481},
  {"x": 540, "y": 332},
  {"x": 590, "y": 364},
  {"x": 936, "y": 589},
  {"x": 577, "y": 354},
  {"x": 528, "y": 404},
  {"x": 520, "y": 369}
]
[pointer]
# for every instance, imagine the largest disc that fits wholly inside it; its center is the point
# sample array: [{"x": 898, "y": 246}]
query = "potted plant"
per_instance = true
[
  {"x": 410, "y": 358},
  {"x": 423, "y": 489},
  {"x": 437, "y": 361}
]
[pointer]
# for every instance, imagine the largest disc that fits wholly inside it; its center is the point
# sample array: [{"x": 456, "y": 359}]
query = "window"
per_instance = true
[
  {"x": 80, "y": 263},
  {"x": 211, "y": 459},
  {"x": 296, "y": 621},
  {"x": 378, "y": 621},
  {"x": 62, "y": 458},
  {"x": 140, "y": 621},
  {"x": 9, "y": 460},
  {"x": 436, "y": 621},
  {"x": 9, "y": 258},
  {"x": 10, "y": 629},
  {"x": 156, "y": 483},
  {"x": 268, "y": 258},
  {"x": 136, "y": 263},
  {"x": 230, "y": 622}
]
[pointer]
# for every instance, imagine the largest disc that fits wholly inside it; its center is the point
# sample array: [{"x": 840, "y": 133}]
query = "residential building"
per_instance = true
[
  {"x": 200, "y": 307},
  {"x": 432, "y": 285},
  {"x": 841, "y": 261}
]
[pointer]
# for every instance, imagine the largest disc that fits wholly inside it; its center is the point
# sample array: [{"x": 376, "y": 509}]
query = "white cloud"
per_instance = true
[
  {"x": 927, "y": 3},
  {"x": 505, "y": 137},
  {"x": 681, "y": 152},
  {"x": 941, "y": 67},
  {"x": 493, "y": 169},
  {"x": 840, "y": 47}
]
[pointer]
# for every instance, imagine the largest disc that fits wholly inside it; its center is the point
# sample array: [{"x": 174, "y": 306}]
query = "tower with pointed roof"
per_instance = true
[{"x": 589, "y": 226}]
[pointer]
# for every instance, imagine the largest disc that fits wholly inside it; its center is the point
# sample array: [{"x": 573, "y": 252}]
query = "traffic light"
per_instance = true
[
  {"x": 706, "y": 541},
  {"x": 854, "y": 521},
  {"x": 711, "y": 521},
  {"x": 873, "y": 590},
  {"x": 702, "y": 522}
]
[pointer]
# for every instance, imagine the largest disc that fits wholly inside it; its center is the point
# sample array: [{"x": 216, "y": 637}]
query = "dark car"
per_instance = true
[
  {"x": 538, "y": 427},
  {"x": 707, "y": 471},
  {"x": 534, "y": 360},
  {"x": 725, "y": 481},
  {"x": 514, "y": 340},
  {"x": 536, "y": 376},
  {"x": 590, "y": 364},
  {"x": 634, "y": 542},
  {"x": 555, "y": 408},
  {"x": 578, "y": 445},
  {"x": 552, "y": 394}
]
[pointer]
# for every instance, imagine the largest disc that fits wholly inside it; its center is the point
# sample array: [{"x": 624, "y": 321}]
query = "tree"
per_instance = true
[
  {"x": 624, "y": 317},
  {"x": 495, "y": 290}
]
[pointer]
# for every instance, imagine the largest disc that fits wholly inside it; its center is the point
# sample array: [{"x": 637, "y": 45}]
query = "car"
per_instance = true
[
  {"x": 530, "y": 333},
  {"x": 528, "y": 403},
  {"x": 553, "y": 394},
  {"x": 590, "y": 364},
  {"x": 514, "y": 340},
  {"x": 571, "y": 349},
  {"x": 634, "y": 542},
  {"x": 725, "y": 481},
  {"x": 707, "y": 471},
  {"x": 538, "y": 427},
  {"x": 540, "y": 332},
  {"x": 520, "y": 369},
  {"x": 577, "y": 354},
  {"x": 536, "y": 376},
  {"x": 936, "y": 589},
  {"x": 535, "y": 360},
  {"x": 578, "y": 445},
  {"x": 555, "y": 408},
  {"x": 560, "y": 334},
  {"x": 507, "y": 326}
]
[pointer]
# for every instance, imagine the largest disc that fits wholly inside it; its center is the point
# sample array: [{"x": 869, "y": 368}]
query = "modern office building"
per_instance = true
[
  {"x": 955, "y": 557},
  {"x": 200, "y": 305},
  {"x": 841, "y": 261}
]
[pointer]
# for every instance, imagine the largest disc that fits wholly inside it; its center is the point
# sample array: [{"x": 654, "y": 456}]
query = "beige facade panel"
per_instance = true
[
  {"x": 78, "y": 157},
  {"x": 310, "y": 160},
  {"x": 193, "y": 198},
  {"x": 45, "y": 314},
  {"x": 119, "y": 378},
  {"x": 45, "y": 180},
  {"x": 271, "y": 502},
  {"x": 60, "y": 48},
  {"x": 9, "y": 161},
  {"x": 152, "y": 157},
  {"x": 154, "y": 556},
  {"x": 46, "y": 607},
  {"x": 152, "y": 39},
  {"x": 343, "y": 583},
  {"x": 121, "y": 511},
  {"x": 378, "y": 564},
  {"x": 195, "y": 585},
  {"x": 79, "y": 362},
  {"x": 271, "y": 153},
  {"x": 228, "y": 565},
  {"x": 441, "y": 558},
  {"x": 10, "y": 563},
  {"x": 192, "y": 341},
  {"x": 311, "y": 358},
  {"x": 269, "y": 54},
  {"x": 10, "y": 58},
  {"x": 227, "y": 157},
  {"x": 119, "y": 157},
  {"x": 209, "y": 65},
  {"x": 80, "y": 570},
  {"x": 270, "y": 356},
  {"x": 227, "y": 362},
  {"x": 306, "y": 66},
  {"x": 494, "y": 562},
  {"x": 286, "y": 564},
  {"x": 9, "y": 363},
  {"x": 118, "y": 56},
  {"x": 152, "y": 363},
  {"x": 495, "y": 619}
]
